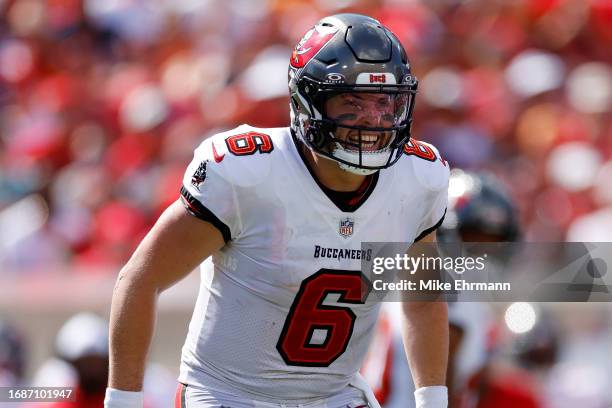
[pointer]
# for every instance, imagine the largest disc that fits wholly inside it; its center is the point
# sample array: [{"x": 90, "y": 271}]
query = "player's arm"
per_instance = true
[
  {"x": 425, "y": 335},
  {"x": 456, "y": 337},
  {"x": 174, "y": 247}
]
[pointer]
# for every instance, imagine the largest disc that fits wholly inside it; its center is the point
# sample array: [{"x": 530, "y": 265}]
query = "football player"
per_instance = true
[
  {"x": 279, "y": 215},
  {"x": 479, "y": 210}
]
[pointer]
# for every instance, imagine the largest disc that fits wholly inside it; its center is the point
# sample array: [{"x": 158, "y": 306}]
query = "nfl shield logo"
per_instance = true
[{"x": 346, "y": 227}]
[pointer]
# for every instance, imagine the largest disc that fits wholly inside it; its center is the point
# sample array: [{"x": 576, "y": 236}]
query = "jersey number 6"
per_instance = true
[
  {"x": 308, "y": 313},
  {"x": 246, "y": 144},
  {"x": 417, "y": 148}
]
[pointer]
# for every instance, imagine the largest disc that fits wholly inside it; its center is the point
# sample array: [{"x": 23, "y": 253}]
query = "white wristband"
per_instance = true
[
  {"x": 431, "y": 397},
  {"x": 123, "y": 399}
]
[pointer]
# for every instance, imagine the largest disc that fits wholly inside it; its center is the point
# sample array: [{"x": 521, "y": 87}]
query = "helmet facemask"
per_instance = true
[{"x": 362, "y": 127}]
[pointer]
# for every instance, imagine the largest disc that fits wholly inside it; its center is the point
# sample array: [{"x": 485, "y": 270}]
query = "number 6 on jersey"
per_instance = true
[{"x": 308, "y": 313}]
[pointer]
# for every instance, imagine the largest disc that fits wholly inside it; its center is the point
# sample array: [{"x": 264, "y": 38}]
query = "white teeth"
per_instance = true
[{"x": 365, "y": 139}]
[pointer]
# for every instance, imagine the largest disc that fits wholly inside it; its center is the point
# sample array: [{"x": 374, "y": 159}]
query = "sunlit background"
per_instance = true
[{"x": 103, "y": 101}]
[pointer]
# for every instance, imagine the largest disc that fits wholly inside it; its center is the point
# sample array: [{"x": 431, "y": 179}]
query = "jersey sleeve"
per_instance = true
[
  {"x": 435, "y": 176},
  {"x": 208, "y": 194}
]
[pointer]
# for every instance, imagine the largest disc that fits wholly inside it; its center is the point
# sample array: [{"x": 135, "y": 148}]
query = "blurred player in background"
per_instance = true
[
  {"x": 482, "y": 211},
  {"x": 283, "y": 316},
  {"x": 479, "y": 211}
]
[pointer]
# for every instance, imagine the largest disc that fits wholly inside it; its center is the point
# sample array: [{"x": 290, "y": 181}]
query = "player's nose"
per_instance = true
[{"x": 369, "y": 119}]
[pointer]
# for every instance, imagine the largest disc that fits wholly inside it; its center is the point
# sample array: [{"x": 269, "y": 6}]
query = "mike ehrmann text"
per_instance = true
[{"x": 438, "y": 285}]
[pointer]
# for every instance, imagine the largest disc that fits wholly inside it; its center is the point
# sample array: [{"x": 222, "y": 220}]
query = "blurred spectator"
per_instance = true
[
  {"x": 81, "y": 347},
  {"x": 82, "y": 343},
  {"x": 12, "y": 355}
]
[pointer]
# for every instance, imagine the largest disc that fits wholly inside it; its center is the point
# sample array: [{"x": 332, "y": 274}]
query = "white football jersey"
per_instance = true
[{"x": 281, "y": 315}]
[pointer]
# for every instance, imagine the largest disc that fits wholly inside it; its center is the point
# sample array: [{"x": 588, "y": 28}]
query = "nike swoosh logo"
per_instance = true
[{"x": 218, "y": 158}]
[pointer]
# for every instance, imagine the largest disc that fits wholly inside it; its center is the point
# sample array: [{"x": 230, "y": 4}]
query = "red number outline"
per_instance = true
[
  {"x": 307, "y": 314},
  {"x": 254, "y": 142},
  {"x": 417, "y": 148}
]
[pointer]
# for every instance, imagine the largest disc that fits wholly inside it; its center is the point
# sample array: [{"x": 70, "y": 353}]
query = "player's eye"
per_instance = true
[
  {"x": 385, "y": 101},
  {"x": 351, "y": 103}
]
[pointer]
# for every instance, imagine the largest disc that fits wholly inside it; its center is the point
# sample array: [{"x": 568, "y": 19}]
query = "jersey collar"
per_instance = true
[{"x": 345, "y": 201}]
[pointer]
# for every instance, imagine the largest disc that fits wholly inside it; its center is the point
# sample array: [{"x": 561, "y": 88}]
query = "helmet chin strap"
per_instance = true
[{"x": 356, "y": 170}]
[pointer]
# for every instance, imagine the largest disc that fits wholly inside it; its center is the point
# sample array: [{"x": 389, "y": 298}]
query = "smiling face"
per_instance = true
[{"x": 371, "y": 111}]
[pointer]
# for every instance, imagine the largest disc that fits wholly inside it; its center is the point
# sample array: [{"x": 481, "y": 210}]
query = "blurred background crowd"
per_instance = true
[{"x": 103, "y": 101}]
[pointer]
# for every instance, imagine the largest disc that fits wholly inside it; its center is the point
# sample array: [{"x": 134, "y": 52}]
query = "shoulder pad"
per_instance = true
[
  {"x": 242, "y": 156},
  {"x": 429, "y": 167}
]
